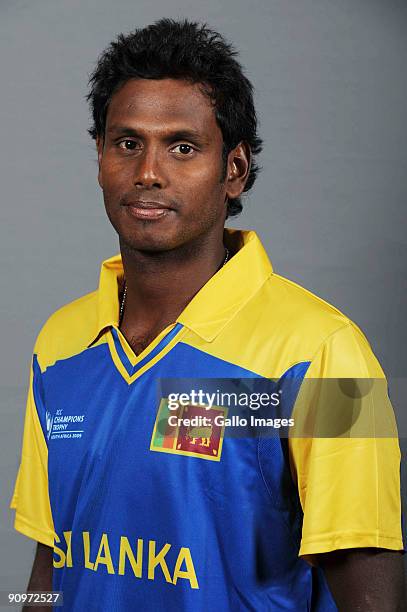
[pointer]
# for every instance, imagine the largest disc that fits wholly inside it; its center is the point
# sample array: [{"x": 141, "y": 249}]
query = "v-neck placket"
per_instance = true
[{"x": 132, "y": 366}]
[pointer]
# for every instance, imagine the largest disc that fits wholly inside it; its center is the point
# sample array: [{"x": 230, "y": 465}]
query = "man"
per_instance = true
[{"x": 139, "y": 516}]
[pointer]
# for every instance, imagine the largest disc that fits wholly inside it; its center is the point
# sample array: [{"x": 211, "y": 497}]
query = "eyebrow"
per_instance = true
[{"x": 179, "y": 134}]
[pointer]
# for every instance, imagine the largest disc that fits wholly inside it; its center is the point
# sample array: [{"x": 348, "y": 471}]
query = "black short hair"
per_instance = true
[{"x": 182, "y": 50}]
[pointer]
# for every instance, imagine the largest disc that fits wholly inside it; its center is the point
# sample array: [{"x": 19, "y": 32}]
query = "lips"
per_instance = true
[
  {"x": 147, "y": 209},
  {"x": 147, "y": 204}
]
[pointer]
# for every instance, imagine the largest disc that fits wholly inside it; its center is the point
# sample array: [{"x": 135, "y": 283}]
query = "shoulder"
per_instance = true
[
  {"x": 300, "y": 326},
  {"x": 329, "y": 337},
  {"x": 68, "y": 331},
  {"x": 291, "y": 311},
  {"x": 305, "y": 306}
]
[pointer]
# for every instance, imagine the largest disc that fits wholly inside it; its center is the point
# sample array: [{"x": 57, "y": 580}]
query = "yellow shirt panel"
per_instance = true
[
  {"x": 349, "y": 485},
  {"x": 33, "y": 515}
]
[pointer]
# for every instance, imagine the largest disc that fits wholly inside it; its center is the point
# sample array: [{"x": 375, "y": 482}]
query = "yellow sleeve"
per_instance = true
[
  {"x": 30, "y": 500},
  {"x": 348, "y": 472}
]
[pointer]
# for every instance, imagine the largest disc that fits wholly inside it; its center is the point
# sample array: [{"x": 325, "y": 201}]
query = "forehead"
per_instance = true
[{"x": 164, "y": 102}]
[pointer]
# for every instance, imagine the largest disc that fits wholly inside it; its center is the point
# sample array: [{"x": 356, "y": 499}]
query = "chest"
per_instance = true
[
  {"x": 139, "y": 342},
  {"x": 115, "y": 468},
  {"x": 141, "y": 336}
]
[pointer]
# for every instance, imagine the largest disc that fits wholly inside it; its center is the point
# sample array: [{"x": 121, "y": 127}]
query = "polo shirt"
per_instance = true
[{"x": 140, "y": 518}]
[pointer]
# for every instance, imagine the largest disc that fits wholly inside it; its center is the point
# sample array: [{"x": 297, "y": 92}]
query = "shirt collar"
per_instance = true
[{"x": 216, "y": 302}]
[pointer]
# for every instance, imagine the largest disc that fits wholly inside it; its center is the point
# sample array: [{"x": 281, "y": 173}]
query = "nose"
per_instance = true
[{"x": 148, "y": 172}]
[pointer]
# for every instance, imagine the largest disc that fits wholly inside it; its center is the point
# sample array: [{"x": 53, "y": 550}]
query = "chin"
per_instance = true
[{"x": 154, "y": 242}]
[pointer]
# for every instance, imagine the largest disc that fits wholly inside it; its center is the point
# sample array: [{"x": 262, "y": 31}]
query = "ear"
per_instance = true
[
  {"x": 238, "y": 168},
  {"x": 99, "y": 148}
]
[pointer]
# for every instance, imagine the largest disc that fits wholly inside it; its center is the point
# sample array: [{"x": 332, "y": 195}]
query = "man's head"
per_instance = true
[{"x": 175, "y": 124}]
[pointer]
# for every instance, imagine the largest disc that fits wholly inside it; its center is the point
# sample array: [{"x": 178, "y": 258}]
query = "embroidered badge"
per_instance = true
[{"x": 194, "y": 431}]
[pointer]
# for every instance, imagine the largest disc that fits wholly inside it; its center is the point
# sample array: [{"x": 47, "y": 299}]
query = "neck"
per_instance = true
[{"x": 160, "y": 285}]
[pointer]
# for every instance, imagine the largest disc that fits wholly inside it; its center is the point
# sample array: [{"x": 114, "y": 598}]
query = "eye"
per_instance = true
[
  {"x": 184, "y": 149},
  {"x": 128, "y": 145}
]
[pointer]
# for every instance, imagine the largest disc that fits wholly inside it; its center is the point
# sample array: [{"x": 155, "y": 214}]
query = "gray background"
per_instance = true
[{"x": 331, "y": 90}]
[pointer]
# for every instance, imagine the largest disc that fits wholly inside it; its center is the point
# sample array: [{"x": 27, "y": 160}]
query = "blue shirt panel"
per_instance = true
[{"x": 240, "y": 517}]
